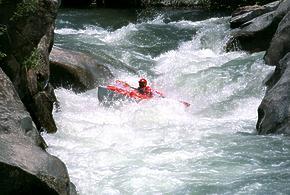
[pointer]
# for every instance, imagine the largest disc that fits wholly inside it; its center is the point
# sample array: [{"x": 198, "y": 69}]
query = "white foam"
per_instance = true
[
  {"x": 119, "y": 34},
  {"x": 88, "y": 30},
  {"x": 159, "y": 146}
]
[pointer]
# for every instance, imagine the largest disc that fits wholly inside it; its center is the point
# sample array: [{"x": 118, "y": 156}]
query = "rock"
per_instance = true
[
  {"x": 256, "y": 34},
  {"x": 71, "y": 69},
  {"x": 274, "y": 111},
  {"x": 119, "y": 4},
  {"x": 246, "y": 9},
  {"x": 212, "y": 4},
  {"x": 171, "y": 3},
  {"x": 280, "y": 44},
  {"x": 73, "y": 190},
  {"x": 13, "y": 114},
  {"x": 25, "y": 167},
  {"x": 76, "y": 3},
  {"x": 28, "y": 39},
  {"x": 43, "y": 107},
  {"x": 247, "y": 13}
]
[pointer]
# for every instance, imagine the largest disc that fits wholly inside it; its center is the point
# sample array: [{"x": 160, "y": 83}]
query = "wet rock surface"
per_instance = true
[
  {"x": 27, "y": 38},
  {"x": 25, "y": 167},
  {"x": 273, "y": 113},
  {"x": 76, "y": 70}
]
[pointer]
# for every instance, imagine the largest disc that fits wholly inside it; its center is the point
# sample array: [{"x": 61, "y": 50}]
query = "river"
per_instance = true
[{"x": 159, "y": 146}]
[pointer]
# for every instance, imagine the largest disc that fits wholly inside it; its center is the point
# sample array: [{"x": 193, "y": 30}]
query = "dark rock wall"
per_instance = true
[
  {"x": 231, "y": 4},
  {"x": 256, "y": 26},
  {"x": 26, "y": 38},
  {"x": 26, "y": 100},
  {"x": 76, "y": 3},
  {"x": 261, "y": 28},
  {"x": 13, "y": 116},
  {"x": 274, "y": 111},
  {"x": 280, "y": 44},
  {"x": 212, "y": 4},
  {"x": 25, "y": 167}
]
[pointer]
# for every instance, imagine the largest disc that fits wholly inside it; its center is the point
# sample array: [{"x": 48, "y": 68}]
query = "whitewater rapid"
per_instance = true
[{"x": 159, "y": 146}]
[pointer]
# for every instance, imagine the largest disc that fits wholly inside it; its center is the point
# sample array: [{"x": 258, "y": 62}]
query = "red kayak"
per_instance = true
[
  {"x": 123, "y": 91},
  {"x": 118, "y": 92},
  {"x": 129, "y": 92}
]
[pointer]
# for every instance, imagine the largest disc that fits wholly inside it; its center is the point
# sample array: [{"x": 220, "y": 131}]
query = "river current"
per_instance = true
[{"x": 159, "y": 146}]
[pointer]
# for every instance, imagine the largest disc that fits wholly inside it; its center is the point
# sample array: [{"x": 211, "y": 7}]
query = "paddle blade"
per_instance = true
[{"x": 185, "y": 103}]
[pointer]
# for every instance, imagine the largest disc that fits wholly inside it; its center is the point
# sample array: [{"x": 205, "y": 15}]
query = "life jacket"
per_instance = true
[{"x": 145, "y": 91}]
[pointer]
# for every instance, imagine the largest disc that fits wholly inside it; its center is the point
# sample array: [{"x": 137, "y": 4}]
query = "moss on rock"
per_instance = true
[
  {"x": 2, "y": 55},
  {"x": 32, "y": 61},
  {"x": 25, "y": 8}
]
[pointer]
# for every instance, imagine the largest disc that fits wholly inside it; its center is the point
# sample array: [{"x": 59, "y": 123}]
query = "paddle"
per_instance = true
[
  {"x": 185, "y": 103},
  {"x": 123, "y": 83},
  {"x": 162, "y": 96}
]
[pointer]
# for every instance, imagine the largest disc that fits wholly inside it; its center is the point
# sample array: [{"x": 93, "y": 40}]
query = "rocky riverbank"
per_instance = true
[
  {"x": 26, "y": 100},
  {"x": 209, "y": 4},
  {"x": 267, "y": 28}
]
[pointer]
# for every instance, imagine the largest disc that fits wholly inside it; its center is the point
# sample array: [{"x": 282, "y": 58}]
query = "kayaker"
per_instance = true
[{"x": 144, "y": 89}]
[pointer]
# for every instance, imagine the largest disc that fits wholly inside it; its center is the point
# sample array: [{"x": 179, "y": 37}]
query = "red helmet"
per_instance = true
[{"x": 143, "y": 81}]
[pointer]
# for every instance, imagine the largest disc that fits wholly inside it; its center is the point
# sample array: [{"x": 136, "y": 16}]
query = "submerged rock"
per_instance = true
[
  {"x": 71, "y": 69},
  {"x": 274, "y": 111},
  {"x": 25, "y": 167},
  {"x": 280, "y": 44}
]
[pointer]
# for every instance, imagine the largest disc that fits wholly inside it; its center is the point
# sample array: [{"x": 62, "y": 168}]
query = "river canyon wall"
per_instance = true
[
  {"x": 211, "y": 4},
  {"x": 26, "y": 100}
]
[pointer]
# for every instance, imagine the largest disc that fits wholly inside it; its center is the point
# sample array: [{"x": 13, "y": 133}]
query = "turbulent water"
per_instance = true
[{"x": 159, "y": 146}]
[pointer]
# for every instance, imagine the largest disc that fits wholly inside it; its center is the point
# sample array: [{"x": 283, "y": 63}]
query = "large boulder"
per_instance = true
[
  {"x": 25, "y": 167},
  {"x": 26, "y": 38},
  {"x": 13, "y": 115},
  {"x": 256, "y": 34},
  {"x": 229, "y": 4},
  {"x": 280, "y": 44},
  {"x": 76, "y": 70},
  {"x": 247, "y": 13},
  {"x": 274, "y": 111}
]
